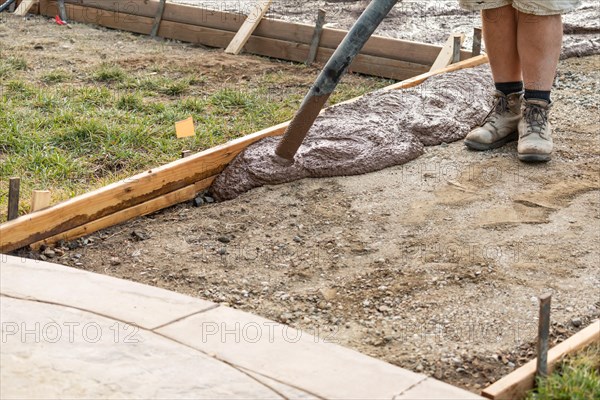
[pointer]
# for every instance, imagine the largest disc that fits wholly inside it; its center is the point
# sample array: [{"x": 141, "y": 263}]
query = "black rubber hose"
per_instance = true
[{"x": 6, "y": 4}]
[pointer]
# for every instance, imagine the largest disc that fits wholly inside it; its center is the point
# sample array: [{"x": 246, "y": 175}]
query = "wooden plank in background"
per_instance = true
[
  {"x": 446, "y": 55},
  {"x": 420, "y": 53},
  {"x": 518, "y": 382},
  {"x": 366, "y": 64},
  {"x": 248, "y": 27},
  {"x": 24, "y": 7}
]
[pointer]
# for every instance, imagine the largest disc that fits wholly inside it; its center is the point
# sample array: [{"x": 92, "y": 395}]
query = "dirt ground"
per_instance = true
[{"x": 433, "y": 266}]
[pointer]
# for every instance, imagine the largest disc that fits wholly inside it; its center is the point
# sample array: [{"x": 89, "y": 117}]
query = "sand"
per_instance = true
[{"x": 380, "y": 130}]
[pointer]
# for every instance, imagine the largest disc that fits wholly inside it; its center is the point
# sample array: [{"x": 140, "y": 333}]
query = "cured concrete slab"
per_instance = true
[
  {"x": 50, "y": 351},
  {"x": 68, "y": 333},
  {"x": 313, "y": 364},
  {"x": 146, "y": 306}
]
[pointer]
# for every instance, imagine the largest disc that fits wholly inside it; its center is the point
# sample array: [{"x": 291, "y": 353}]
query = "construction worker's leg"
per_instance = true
[
  {"x": 540, "y": 33},
  {"x": 499, "y": 20}
]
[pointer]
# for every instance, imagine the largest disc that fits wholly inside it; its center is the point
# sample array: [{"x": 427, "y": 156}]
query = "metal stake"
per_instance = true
[
  {"x": 314, "y": 44},
  {"x": 14, "y": 187},
  {"x": 543, "y": 335}
]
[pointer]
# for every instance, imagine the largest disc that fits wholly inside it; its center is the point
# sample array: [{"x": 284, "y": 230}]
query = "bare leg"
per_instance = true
[
  {"x": 539, "y": 43},
  {"x": 500, "y": 35}
]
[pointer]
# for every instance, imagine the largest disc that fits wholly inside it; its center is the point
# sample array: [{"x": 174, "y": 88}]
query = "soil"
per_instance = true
[{"x": 434, "y": 265}]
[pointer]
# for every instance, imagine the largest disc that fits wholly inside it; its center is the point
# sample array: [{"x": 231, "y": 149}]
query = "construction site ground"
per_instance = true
[{"x": 434, "y": 266}]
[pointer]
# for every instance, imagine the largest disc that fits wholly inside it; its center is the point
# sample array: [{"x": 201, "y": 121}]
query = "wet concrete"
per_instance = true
[{"x": 380, "y": 130}]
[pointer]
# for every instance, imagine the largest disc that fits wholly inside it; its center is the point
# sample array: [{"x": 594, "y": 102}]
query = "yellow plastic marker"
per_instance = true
[{"x": 185, "y": 128}]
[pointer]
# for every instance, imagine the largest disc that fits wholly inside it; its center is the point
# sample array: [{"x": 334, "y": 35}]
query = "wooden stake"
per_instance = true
[
  {"x": 250, "y": 24},
  {"x": 476, "y": 42},
  {"x": 316, "y": 39},
  {"x": 543, "y": 335},
  {"x": 447, "y": 54},
  {"x": 456, "y": 49},
  {"x": 24, "y": 7},
  {"x": 158, "y": 18},
  {"x": 40, "y": 199},
  {"x": 62, "y": 11},
  {"x": 14, "y": 186}
]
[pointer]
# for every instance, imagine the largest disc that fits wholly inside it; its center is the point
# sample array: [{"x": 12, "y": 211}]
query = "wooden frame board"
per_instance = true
[
  {"x": 405, "y": 50},
  {"x": 248, "y": 27},
  {"x": 516, "y": 384}
]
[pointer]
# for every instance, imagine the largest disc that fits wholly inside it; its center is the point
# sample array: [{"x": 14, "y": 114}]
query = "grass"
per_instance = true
[
  {"x": 577, "y": 378},
  {"x": 71, "y": 132}
]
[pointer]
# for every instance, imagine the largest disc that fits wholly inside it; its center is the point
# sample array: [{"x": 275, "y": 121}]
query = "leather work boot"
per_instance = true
[
  {"x": 535, "y": 140},
  {"x": 499, "y": 126}
]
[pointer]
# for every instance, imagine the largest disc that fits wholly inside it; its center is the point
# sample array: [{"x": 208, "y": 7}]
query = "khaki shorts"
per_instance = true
[{"x": 535, "y": 7}]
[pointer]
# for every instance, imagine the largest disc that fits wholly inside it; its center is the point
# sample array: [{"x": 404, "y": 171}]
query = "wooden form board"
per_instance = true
[
  {"x": 516, "y": 384},
  {"x": 40, "y": 199},
  {"x": 248, "y": 27},
  {"x": 364, "y": 63},
  {"x": 404, "y": 50},
  {"x": 179, "y": 196},
  {"x": 446, "y": 55},
  {"x": 24, "y": 7},
  {"x": 144, "y": 188}
]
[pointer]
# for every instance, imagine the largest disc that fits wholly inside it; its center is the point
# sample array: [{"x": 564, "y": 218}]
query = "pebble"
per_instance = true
[
  {"x": 140, "y": 235},
  {"x": 114, "y": 261},
  {"x": 49, "y": 253},
  {"x": 297, "y": 239},
  {"x": 198, "y": 201},
  {"x": 224, "y": 239},
  {"x": 576, "y": 322}
]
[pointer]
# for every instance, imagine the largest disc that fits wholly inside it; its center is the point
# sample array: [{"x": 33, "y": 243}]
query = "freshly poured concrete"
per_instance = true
[
  {"x": 73, "y": 334},
  {"x": 380, "y": 130}
]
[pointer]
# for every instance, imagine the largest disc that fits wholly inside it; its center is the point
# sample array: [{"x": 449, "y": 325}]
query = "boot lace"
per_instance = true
[
  {"x": 500, "y": 107},
  {"x": 537, "y": 120}
]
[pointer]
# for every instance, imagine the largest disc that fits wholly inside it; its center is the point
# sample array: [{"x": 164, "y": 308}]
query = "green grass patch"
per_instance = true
[
  {"x": 56, "y": 76},
  {"x": 112, "y": 123},
  {"x": 109, "y": 73},
  {"x": 576, "y": 378}
]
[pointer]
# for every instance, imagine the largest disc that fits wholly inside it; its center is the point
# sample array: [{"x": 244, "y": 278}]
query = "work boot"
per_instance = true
[
  {"x": 535, "y": 140},
  {"x": 499, "y": 126}
]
